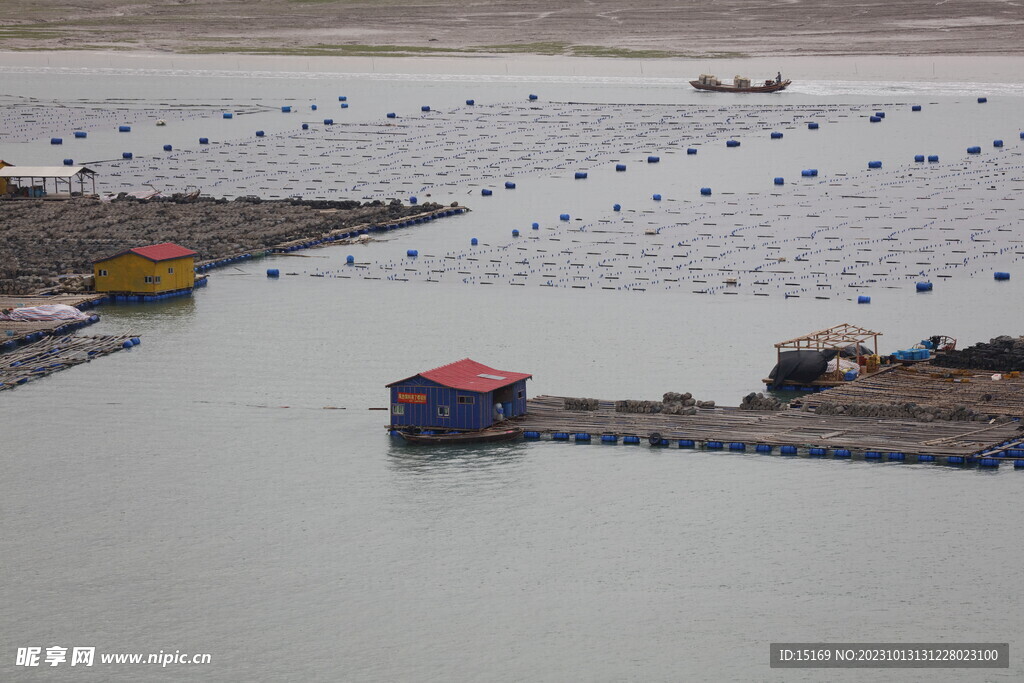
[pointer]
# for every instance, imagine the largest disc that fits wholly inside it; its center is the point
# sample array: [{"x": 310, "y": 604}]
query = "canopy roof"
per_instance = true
[
  {"x": 468, "y": 375},
  {"x": 156, "y": 252},
  {"x": 837, "y": 336},
  {"x": 44, "y": 171}
]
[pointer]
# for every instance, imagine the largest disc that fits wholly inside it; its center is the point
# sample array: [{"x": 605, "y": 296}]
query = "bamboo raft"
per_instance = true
[
  {"x": 735, "y": 429},
  {"x": 931, "y": 386},
  {"x": 53, "y": 354}
]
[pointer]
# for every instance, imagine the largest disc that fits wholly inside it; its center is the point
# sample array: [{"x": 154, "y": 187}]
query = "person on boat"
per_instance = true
[
  {"x": 778, "y": 77},
  {"x": 499, "y": 412}
]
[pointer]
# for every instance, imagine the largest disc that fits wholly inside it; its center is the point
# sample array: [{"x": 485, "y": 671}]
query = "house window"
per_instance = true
[
  {"x": 398, "y": 409},
  {"x": 465, "y": 400},
  {"x": 103, "y": 273},
  {"x": 170, "y": 271},
  {"x": 149, "y": 279},
  {"x": 158, "y": 279},
  {"x": 442, "y": 411},
  {"x": 521, "y": 394}
]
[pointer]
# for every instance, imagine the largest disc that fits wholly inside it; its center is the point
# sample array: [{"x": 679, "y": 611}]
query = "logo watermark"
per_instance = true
[{"x": 56, "y": 655}]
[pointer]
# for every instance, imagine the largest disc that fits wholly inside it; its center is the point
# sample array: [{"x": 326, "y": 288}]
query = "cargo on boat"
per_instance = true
[{"x": 739, "y": 84}]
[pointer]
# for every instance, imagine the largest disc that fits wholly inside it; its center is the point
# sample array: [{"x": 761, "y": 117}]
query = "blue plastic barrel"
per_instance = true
[
  {"x": 620, "y": 167},
  {"x": 999, "y": 275},
  {"x": 955, "y": 460},
  {"x": 412, "y": 253},
  {"x": 391, "y": 115},
  {"x": 509, "y": 185},
  {"x": 617, "y": 207},
  {"x": 350, "y": 259},
  {"x": 580, "y": 174},
  {"x": 787, "y": 450},
  {"x": 560, "y": 436},
  {"x": 691, "y": 150},
  {"x": 925, "y": 458},
  {"x": 713, "y": 445},
  {"x": 874, "y": 119},
  {"x": 124, "y": 129},
  {"x": 127, "y": 344},
  {"x": 69, "y": 162},
  {"x": 924, "y": 286},
  {"x": 653, "y": 159},
  {"x": 874, "y": 164},
  {"x": 863, "y": 299},
  {"x": 485, "y": 192},
  {"x": 168, "y": 148},
  {"x": 1018, "y": 464},
  {"x": 259, "y": 133},
  {"x": 531, "y": 435},
  {"x": 915, "y": 107},
  {"x": 779, "y": 180},
  {"x": 328, "y": 122},
  {"x": 776, "y": 135},
  {"x": 919, "y": 158},
  {"x": 997, "y": 143},
  {"x": 812, "y": 126},
  {"x": 686, "y": 443},
  {"x": 286, "y": 109},
  {"x": 982, "y": 100},
  {"x": 533, "y": 97},
  {"x": 515, "y": 233},
  {"x": 474, "y": 241},
  {"x": 305, "y": 126},
  {"x": 609, "y": 438},
  {"x": 413, "y": 200},
  {"x": 656, "y": 197},
  {"x": 80, "y": 134},
  {"x": 344, "y": 105},
  {"x": 535, "y": 226},
  {"x": 470, "y": 102},
  {"x": 988, "y": 462},
  {"x": 880, "y": 114},
  {"x": 705, "y": 191},
  {"x": 228, "y": 115},
  {"x": 763, "y": 448},
  {"x": 204, "y": 141},
  {"x": 974, "y": 150},
  {"x": 273, "y": 272},
  {"x": 425, "y": 107},
  {"x": 126, "y": 155},
  {"x": 563, "y": 217},
  {"x": 933, "y": 158},
  {"x": 897, "y": 457},
  {"x": 56, "y": 141},
  {"x": 732, "y": 143},
  {"x": 872, "y": 455},
  {"x": 841, "y": 453},
  {"x": 817, "y": 452},
  {"x": 632, "y": 439},
  {"x": 737, "y": 446}
]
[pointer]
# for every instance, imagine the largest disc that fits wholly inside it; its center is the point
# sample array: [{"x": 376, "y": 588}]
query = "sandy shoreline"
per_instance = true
[{"x": 919, "y": 68}]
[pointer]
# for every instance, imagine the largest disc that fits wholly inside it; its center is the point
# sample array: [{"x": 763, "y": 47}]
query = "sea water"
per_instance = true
[{"x": 226, "y": 488}]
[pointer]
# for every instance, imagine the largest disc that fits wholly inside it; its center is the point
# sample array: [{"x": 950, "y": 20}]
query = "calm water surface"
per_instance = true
[{"x": 224, "y": 488}]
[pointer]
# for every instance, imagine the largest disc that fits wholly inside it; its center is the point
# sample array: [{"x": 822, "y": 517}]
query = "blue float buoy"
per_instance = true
[
  {"x": 620, "y": 167},
  {"x": 924, "y": 286},
  {"x": 653, "y": 159},
  {"x": 350, "y": 259},
  {"x": 609, "y": 438},
  {"x": 328, "y": 122},
  {"x": 412, "y": 253},
  {"x": 915, "y": 107},
  {"x": 812, "y": 126},
  {"x": 474, "y": 241},
  {"x": 999, "y": 275},
  {"x": 691, "y": 150},
  {"x": 470, "y": 102},
  {"x": 763, "y": 448},
  {"x": 305, "y": 126},
  {"x": 982, "y": 100},
  {"x": 425, "y": 107},
  {"x": 204, "y": 141},
  {"x": 713, "y": 445},
  {"x": 737, "y": 446},
  {"x": 563, "y": 217},
  {"x": 933, "y": 158},
  {"x": 732, "y": 143},
  {"x": 974, "y": 150},
  {"x": 126, "y": 155},
  {"x": 617, "y": 207},
  {"x": 560, "y": 436},
  {"x": 787, "y": 450},
  {"x": 880, "y": 114},
  {"x": 485, "y": 192},
  {"x": 509, "y": 185},
  {"x": 535, "y": 226},
  {"x": 273, "y": 272},
  {"x": 413, "y": 200},
  {"x": 127, "y": 344},
  {"x": 342, "y": 98},
  {"x": 705, "y": 191},
  {"x": 631, "y": 439},
  {"x": 776, "y": 135},
  {"x": 56, "y": 141},
  {"x": 124, "y": 129},
  {"x": 863, "y": 299},
  {"x": 344, "y": 105},
  {"x": 817, "y": 452},
  {"x": 919, "y": 158},
  {"x": 580, "y": 175},
  {"x": 780, "y": 180},
  {"x": 955, "y": 460},
  {"x": 841, "y": 453},
  {"x": 533, "y": 97},
  {"x": 515, "y": 233},
  {"x": 656, "y": 197},
  {"x": 167, "y": 148},
  {"x": 80, "y": 134},
  {"x": 286, "y": 109},
  {"x": 874, "y": 119},
  {"x": 228, "y": 115},
  {"x": 874, "y": 164},
  {"x": 997, "y": 143},
  {"x": 926, "y": 458},
  {"x": 897, "y": 457},
  {"x": 872, "y": 455},
  {"x": 259, "y": 133}
]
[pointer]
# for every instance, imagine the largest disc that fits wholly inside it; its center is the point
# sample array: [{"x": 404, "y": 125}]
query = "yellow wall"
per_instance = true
[
  {"x": 3, "y": 181},
  {"x": 127, "y": 273}
]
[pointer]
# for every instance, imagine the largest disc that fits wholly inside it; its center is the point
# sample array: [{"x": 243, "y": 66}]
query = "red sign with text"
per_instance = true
[{"x": 411, "y": 398}]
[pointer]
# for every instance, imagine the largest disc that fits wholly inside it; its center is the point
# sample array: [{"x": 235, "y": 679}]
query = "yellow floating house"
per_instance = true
[{"x": 156, "y": 269}]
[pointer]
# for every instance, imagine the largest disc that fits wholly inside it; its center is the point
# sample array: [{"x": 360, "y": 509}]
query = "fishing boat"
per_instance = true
[
  {"x": 739, "y": 84},
  {"x": 454, "y": 438}
]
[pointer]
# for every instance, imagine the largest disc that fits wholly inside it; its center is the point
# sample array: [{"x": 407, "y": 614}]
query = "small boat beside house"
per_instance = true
[
  {"x": 739, "y": 84},
  {"x": 489, "y": 435}
]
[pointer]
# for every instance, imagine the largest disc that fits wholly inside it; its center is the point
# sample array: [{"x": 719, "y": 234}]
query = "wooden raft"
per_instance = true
[
  {"x": 546, "y": 414},
  {"x": 53, "y": 354}
]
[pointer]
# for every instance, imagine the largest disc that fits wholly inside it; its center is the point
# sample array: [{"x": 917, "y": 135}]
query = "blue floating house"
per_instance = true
[{"x": 459, "y": 396}]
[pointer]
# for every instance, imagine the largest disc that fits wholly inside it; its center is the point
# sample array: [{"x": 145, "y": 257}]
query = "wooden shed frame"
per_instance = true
[
  {"x": 59, "y": 175},
  {"x": 835, "y": 337}
]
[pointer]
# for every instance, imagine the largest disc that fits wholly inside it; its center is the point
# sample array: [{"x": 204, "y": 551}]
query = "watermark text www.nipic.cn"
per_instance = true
[{"x": 56, "y": 655}]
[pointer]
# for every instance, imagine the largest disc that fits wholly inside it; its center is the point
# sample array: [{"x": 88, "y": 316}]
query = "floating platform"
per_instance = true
[
  {"x": 785, "y": 432},
  {"x": 55, "y": 353}
]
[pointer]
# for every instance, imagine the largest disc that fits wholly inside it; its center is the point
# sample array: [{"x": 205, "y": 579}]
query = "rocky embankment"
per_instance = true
[
  {"x": 41, "y": 240},
  {"x": 1000, "y": 354}
]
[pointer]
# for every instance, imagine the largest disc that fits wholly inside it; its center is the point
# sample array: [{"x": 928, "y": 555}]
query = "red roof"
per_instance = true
[
  {"x": 469, "y": 375},
  {"x": 157, "y": 252}
]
